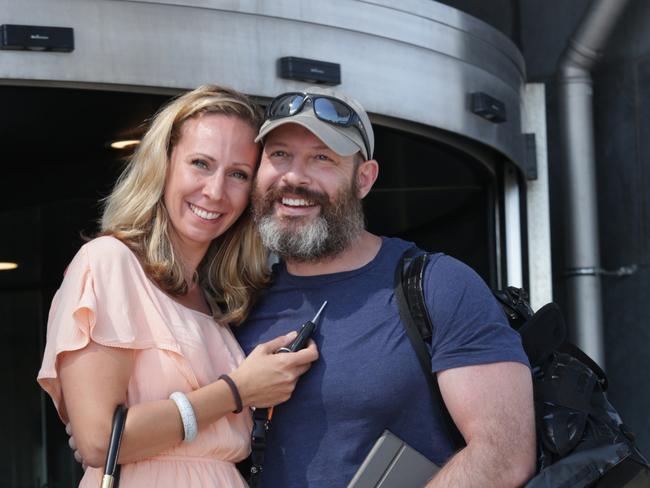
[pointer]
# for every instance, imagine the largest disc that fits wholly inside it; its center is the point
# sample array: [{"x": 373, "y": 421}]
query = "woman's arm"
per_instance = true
[{"x": 95, "y": 380}]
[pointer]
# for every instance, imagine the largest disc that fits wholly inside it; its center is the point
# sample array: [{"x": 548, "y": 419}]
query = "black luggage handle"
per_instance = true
[{"x": 111, "y": 478}]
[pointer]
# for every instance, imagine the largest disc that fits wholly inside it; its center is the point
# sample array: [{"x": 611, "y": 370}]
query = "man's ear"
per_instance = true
[{"x": 367, "y": 173}]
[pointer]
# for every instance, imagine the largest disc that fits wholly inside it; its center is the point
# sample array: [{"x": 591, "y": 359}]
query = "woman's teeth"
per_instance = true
[{"x": 204, "y": 214}]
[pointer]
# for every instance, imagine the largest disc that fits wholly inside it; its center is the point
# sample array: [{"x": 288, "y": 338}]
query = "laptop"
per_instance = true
[{"x": 391, "y": 463}]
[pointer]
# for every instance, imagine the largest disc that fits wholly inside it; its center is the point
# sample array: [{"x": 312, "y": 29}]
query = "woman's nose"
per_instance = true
[{"x": 214, "y": 186}]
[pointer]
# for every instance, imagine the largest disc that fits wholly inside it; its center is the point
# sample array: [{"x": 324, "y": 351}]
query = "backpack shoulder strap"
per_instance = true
[
  {"x": 413, "y": 279},
  {"x": 409, "y": 293}
]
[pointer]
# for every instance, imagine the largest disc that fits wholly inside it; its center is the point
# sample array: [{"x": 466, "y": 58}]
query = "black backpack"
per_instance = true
[{"x": 581, "y": 440}]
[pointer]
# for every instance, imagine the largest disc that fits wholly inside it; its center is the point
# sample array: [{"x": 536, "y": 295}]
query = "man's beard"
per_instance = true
[{"x": 309, "y": 239}]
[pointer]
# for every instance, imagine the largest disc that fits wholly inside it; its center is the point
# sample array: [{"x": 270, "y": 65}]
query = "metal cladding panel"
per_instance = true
[{"x": 418, "y": 62}]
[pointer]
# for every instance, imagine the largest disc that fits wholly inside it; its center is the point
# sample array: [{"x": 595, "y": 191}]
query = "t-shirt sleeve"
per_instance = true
[
  {"x": 102, "y": 299},
  {"x": 469, "y": 326}
]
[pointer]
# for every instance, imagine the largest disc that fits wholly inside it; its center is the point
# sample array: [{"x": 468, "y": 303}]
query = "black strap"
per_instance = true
[
  {"x": 414, "y": 291},
  {"x": 261, "y": 424},
  {"x": 409, "y": 293}
]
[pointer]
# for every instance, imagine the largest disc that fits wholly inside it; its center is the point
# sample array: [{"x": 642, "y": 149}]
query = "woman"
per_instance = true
[{"x": 134, "y": 319}]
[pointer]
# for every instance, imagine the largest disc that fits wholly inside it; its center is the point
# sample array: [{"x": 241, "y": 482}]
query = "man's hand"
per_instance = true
[
  {"x": 73, "y": 446},
  {"x": 492, "y": 406}
]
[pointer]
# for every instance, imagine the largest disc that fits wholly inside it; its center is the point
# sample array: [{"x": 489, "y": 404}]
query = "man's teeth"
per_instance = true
[
  {"x": 204, "y": 214},
  {"x": 296, "y": 202}
]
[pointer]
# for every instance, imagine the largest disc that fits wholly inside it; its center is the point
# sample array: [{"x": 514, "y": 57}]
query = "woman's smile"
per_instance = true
[{"x": 203, "y": 213}]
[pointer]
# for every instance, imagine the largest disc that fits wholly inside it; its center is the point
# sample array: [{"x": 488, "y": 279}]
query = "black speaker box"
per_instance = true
[
  {"x": 36, "y": 38},
  {"x": 309, "y": 70},
  {"x": 488, "y": 107}
]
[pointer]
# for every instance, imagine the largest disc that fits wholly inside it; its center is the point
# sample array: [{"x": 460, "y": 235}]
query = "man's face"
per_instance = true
[{"x": 305, "y": 199}]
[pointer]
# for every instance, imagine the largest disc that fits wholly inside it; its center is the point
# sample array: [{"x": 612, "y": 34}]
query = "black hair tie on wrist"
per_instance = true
[{"x": 235, "y": 392}]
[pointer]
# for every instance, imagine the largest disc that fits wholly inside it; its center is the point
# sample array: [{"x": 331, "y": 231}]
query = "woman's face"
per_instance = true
[{"x": 209, "y": 179}]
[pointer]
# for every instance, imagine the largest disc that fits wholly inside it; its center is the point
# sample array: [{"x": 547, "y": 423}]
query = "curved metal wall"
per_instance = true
[{"x": 416, "y": 60}]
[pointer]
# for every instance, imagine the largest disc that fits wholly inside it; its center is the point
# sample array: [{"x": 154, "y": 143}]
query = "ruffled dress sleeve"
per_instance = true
[{"x": 105, "y": 298}]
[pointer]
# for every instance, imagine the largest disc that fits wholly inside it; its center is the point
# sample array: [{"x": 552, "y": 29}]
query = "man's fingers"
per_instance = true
[
  {"x": 71, "y": 442},
  {"x": 77, "y": 457}
]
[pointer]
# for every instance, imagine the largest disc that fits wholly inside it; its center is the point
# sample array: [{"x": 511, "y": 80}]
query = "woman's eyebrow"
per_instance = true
[{"x": 203, "y": 155}]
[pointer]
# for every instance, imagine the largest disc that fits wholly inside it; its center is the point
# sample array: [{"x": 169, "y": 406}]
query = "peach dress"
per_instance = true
[{"x": 107, "y": 298}]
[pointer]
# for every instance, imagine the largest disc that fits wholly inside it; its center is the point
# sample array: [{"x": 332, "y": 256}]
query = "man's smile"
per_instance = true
[
  {"x": 296, "y": 206},
  {"x": 297, "y": 202}
]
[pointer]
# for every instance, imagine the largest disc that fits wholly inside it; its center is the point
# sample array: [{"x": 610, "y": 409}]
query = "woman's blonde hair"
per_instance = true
[{"x": 234, "y": 269}]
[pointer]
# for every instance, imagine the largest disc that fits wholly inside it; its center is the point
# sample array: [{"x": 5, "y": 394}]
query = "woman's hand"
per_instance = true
[
  {"x": 95, "y": 380},
  {"x": 265, "y": 378}
]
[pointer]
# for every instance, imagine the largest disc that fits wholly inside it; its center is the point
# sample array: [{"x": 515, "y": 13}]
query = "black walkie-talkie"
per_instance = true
[{"x": 305, "y": 332}]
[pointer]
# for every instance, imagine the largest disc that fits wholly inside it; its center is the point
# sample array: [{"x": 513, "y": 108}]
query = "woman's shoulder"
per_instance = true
[
  {"x": 111, "y": 265},
  {"x": 107, "y": 256},
  {"x": 107, "y": 248}
]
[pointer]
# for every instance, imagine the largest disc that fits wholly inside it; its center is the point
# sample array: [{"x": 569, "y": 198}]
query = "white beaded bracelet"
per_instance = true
[{"x": 187, "y": 415}]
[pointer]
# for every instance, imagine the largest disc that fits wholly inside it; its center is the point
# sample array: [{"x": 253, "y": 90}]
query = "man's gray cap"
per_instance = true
[{"x": 344, "y": 141}]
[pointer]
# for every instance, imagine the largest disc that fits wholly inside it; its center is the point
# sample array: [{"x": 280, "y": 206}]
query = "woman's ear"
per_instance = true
[{"x": 367, "y": 173}]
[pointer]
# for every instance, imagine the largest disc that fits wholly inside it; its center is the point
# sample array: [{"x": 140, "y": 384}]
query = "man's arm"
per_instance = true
[{"x": 492, "y": 405}]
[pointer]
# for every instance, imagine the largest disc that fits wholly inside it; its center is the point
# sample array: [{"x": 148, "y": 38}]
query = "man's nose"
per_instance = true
[
  {"x": 214, "y": 186},
  {"x": 297, "y": 173}
]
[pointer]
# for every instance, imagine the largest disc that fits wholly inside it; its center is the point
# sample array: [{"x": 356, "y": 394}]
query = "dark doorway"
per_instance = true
[
  {"x": 435, "y": 195},
  {"x": 56, "y": 166}
]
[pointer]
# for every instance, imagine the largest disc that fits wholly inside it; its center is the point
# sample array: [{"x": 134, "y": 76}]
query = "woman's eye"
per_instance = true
[
  {"x": 241, "y": 175},
  {"x": 279, "y": 154},
  {"x": 200, "y": 163}
]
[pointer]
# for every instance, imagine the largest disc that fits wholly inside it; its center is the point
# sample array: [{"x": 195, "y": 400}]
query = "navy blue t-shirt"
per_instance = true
[{"x": 367, "y": 378}]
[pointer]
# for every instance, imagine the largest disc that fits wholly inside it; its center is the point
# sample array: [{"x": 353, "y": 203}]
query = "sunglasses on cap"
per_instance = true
[{"x": 327, "y": 109}]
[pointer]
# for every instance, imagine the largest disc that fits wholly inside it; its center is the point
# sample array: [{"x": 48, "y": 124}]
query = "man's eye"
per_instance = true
[
  {"x": 200, "y": 163},
  {"x": 279, "y": 154},
  {"x": 322, "y": 157}
]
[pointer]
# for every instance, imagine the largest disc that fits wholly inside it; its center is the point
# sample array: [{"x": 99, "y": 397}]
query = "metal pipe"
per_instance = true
[{"x": 576, "y": 124}]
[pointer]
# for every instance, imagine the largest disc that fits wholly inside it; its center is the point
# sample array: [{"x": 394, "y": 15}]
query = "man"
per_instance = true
[{"x": 316, "y": 168}]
